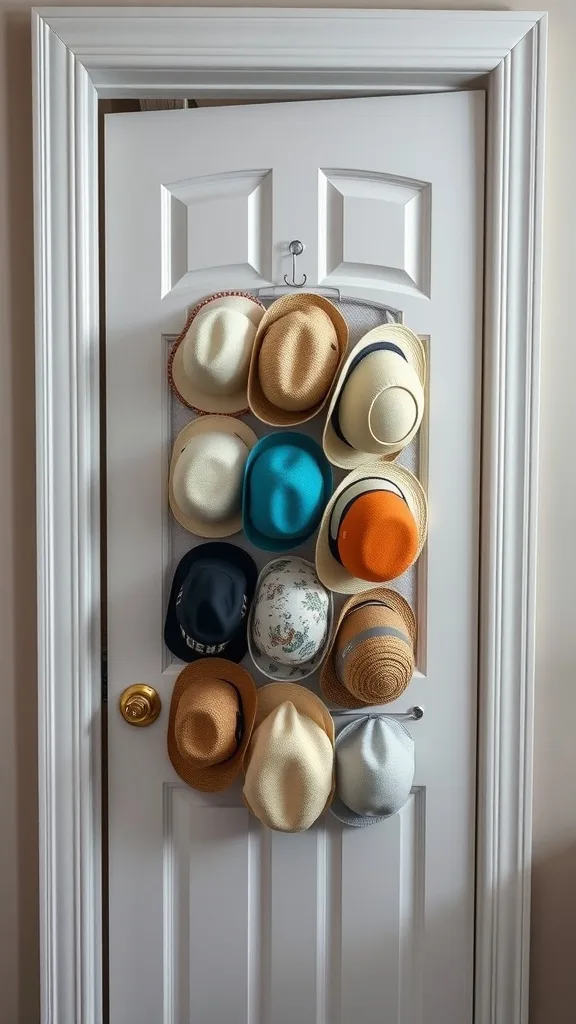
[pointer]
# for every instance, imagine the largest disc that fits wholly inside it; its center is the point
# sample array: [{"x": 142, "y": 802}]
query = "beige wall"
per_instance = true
[{"x": 554, "y": 901}]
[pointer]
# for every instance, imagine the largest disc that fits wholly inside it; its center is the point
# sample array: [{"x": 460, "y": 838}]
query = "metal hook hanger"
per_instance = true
[
  {"x": 295, "y": 249},
  {"x": 415, "y": 713}
]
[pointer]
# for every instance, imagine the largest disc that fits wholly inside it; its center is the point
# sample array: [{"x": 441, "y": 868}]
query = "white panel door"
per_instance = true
[{"x": 213, "y": 919}]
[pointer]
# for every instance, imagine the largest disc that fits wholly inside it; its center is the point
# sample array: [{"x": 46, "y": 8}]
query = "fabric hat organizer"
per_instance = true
[{"x": 297, "y": 521}]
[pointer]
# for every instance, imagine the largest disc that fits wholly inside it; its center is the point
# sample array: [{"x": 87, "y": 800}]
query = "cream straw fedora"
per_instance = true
[
  {"x": 208, "y": 363},
  {"x": 373, "y": 529},
  {"x": 299, "y": 347},
  {"x": 206, "y": 475},
  {"x": 371, "y": 657},
  {"x": 377, "y": 404},
  {"x": 289, "y": 764}
]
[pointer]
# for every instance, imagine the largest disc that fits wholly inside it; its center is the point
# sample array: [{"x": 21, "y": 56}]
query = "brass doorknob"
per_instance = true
[{"x": 140, "y": 704}]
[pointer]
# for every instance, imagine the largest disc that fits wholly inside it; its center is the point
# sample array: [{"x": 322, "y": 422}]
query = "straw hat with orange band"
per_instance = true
[{"x": 373, "y": 529}]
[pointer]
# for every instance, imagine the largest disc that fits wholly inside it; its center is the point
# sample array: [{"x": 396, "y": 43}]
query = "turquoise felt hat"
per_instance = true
[{"x": 287, "y": 482}]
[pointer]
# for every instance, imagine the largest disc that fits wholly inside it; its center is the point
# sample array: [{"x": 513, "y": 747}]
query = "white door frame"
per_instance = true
[{"x": 81, "y": 55}]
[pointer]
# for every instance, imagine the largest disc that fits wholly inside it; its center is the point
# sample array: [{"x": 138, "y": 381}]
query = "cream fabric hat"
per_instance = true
[
  {"x": 373, "y": 529},
  {"x": 378, "y": 402},
  {"x": 374, "y": 770},
  {"x": 290, "y": 620},
  {"x": 289, "y": 764},
  {"x": 206, "y": 475},
  {"x": 208, "y": 364},
  {"x": 371, "y": 657},
  {"x": 299, "y": 347}
]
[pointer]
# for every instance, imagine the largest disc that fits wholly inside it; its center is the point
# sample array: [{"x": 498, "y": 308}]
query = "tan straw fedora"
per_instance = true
[
  {"x": 371, "y": 657},
  {"x": 377, "y": 404},
  {"x": 298, "y": 350},
  {"x": 289, "y": 764},
  {"x": 208, "y": 363},
  {"x": 206, "y": 475},
  {"x": 212, "y": 714},
  {"x": 373, "y": 529}
]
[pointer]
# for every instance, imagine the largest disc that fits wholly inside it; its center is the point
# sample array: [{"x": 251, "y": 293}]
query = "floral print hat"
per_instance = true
[{"x": 290, "y": 621}]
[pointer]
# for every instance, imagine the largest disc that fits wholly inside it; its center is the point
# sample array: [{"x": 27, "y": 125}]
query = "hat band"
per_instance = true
[
  {"x": 377, "y": 346},
  {"x": 202, "y": 648},
  {"x": 366, "y": 634}
]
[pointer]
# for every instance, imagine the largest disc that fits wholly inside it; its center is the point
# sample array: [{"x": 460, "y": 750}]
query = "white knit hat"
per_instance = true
[
  {"x": 206, "y": 473},
  {"x": 209, "y": 362},
  {"x": 378, "y": 402},
  {"x": 374, "y": 770}
]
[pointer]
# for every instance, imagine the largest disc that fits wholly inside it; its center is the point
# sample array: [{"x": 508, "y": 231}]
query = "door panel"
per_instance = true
[{"x": 213, "y": 918}]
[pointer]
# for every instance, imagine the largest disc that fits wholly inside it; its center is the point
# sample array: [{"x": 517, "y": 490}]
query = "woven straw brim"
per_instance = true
[
  {"x": 330, "y": 572},
  {"x": 331, "y": 686},
  {"x": 257, "y": 401},
  {"x": 218, "y": 776},
  {"x": 204, "y": 425},
  {"x": 184, "y": 389},
  {"x": 274, "y": 669},
  {"x": 306, "y": 703},
  {"x": 339, "y": 453}
]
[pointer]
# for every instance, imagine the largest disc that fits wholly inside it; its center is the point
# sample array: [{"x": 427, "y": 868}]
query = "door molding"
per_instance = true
[{"x": 83, "y": 55}]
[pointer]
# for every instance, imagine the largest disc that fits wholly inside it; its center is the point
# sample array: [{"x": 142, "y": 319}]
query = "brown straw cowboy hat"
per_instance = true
[
  {"x": 299, "y": 347},
  {"x": 212, "y": 714},
  {"x": 289, "y": 764},
  {"x": 371, "y": 657}
]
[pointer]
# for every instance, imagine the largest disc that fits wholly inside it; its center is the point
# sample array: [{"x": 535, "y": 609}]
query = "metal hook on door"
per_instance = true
[{"x": 295, "y": 249}]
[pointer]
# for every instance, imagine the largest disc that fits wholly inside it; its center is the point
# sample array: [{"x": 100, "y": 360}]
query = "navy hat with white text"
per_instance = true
[{"x": 211, "y": 594}]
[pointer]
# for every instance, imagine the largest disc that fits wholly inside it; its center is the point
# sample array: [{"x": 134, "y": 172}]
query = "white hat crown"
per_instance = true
[
  {"x": 216, "y": 350},
  {"x": 207, "y": 479},
  {"x": 290, "y": 620},
  {"x": 382, "y": 403},
  {"x": 289, "y": 773},
  {"x": 374, "y": 769}
]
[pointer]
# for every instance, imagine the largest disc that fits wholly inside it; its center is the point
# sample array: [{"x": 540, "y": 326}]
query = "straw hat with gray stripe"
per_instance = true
[{"x": 371, "y": 656}]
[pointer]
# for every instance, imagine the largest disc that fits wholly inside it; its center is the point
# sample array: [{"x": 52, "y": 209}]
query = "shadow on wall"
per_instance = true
[
  {"x": 553, "y": 942},
  {"x": 19, "y": 999}
]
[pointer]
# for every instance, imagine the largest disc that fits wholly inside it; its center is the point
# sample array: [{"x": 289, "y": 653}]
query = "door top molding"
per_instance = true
[{"x": 166, "y": 48}]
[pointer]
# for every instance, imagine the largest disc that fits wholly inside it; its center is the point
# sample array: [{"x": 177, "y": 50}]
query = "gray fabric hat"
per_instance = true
[{"x": 374, "y": 770}]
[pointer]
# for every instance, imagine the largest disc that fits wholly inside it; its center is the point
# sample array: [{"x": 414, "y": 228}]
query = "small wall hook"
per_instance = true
[{"x": 295, "y": 249}]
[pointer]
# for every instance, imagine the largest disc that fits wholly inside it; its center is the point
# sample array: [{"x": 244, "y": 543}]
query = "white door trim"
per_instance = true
[{"x": 81, "y": 55}]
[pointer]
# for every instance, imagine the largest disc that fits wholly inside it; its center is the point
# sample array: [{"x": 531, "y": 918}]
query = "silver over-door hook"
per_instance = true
[{"x": 295, "y": 249}]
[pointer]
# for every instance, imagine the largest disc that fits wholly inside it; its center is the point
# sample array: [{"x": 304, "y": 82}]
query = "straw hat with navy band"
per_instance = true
[
  {"x": 212, "y": 714},
  {"x": 377, "y": 404},
  {"x": 299, "y": 347},
  {"x": 209, "y": 361},
  {"x": 373, "y": 529},
  {"x": 371, "y": 656}
]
